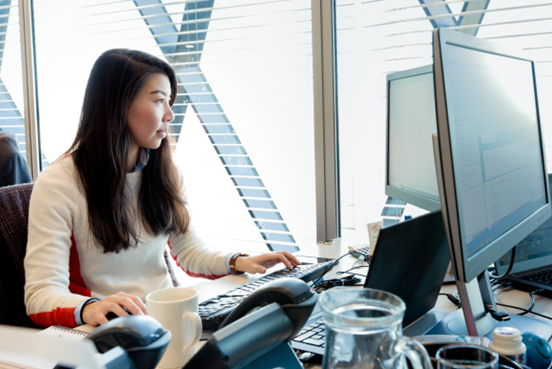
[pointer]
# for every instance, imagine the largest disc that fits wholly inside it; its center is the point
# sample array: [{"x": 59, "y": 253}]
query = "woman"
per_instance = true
[{"x": 100, "y": 217}]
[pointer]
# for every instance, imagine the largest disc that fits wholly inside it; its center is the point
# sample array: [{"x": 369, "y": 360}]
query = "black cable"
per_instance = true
[
  {"x": 328, "y": 268},
  {"x": 507, "y": 272},
  {"x": 454, "y": 299},
  {"x": 523, "y": 309},
  {"x": 502, "y": 285},
  {"x": 528, "y": 310},
  {"x": 337, "y": 282},
  {"x": 353, "y": 268}
]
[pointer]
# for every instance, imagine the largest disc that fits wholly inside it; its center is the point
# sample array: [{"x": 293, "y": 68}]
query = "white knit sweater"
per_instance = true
[{"x": 64, "y": 265}]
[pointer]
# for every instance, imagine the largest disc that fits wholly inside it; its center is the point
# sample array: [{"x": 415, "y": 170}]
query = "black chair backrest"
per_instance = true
[{"x": 14, "y": 212}]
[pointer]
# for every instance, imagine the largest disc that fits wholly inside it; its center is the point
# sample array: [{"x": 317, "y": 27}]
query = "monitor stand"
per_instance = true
[{"x": 473, "y": 320}]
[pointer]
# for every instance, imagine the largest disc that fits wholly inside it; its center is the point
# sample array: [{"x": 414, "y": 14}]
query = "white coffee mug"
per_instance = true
[{"x": 176, "y": 310}]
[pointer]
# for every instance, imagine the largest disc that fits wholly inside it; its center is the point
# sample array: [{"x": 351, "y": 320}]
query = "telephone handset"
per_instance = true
[
  {"x": 295, "y": 297},
  {"x": 260, "y": 325},
  {"x": 134, "y": 341}
]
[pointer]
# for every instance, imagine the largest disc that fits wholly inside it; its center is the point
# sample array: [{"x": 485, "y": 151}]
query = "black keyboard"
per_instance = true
[
  {"x": 312, "y": 338},
  {"x": 215, "y": 310},
  {"x": 543, "y": 277}
]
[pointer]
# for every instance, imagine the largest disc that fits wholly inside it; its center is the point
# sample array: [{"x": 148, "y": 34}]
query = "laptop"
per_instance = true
[
  {"x": 533, "y": 261},
  {"x": 410, "y": 260}
]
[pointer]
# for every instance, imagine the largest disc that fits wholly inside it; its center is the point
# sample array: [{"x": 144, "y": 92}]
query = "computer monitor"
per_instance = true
[
  {"x": 410, "y": 167},
  {"x": 491, "y": 163},
  {"x": 533, "y": 252}
]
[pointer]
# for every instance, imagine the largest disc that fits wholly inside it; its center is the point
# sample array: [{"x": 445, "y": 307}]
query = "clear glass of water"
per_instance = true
[
  {"x": 466, "y": 357},
  {"x": 364, "y": 330}
]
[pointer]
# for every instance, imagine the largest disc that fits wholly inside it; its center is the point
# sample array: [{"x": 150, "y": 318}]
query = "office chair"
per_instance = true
[{"x": 14, "y": 212}]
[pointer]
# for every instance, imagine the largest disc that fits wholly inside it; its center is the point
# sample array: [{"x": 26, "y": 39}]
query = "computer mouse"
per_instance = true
[
  {"x": 141, "y": 336},
  {"x": 539, "y": 353},
  {"x": 111, "y": 315}
]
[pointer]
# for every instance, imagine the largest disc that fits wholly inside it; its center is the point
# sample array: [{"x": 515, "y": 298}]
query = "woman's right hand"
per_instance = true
[{"x": 95, "y": 312}]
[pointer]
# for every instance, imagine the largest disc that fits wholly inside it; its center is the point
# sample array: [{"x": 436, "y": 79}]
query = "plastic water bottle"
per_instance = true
[{"x": 507, "y": 341}]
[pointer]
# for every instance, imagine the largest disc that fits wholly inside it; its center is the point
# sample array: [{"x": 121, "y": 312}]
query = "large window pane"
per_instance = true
[
  {"x": 244, "y": 113},
  {"x": 375, "y": 38},
  {"x": 11, "y": 77}
]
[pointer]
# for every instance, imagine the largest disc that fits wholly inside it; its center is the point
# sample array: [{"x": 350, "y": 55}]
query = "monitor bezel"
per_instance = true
[
  {"x": 467, "y": 269},
  {"x": 418, "y": 200}
]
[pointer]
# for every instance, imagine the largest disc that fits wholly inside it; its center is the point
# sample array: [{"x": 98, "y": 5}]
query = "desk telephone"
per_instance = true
[{"x": 262, "y": 324}]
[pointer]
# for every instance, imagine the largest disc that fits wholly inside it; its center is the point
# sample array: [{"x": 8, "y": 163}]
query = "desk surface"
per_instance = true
[
  {"x": 443, "y": 306},
  {"x": 208, "y": 289}
]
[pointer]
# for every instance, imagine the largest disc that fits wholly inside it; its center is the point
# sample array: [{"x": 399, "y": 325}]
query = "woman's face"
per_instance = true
[{"x": 149, "y": 114}]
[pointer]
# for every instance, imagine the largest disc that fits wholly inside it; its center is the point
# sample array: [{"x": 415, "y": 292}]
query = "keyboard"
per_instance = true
[
  {"x": 213, "y": 311},
  {"x": 311, "y": 338},
  {"x": 544, "y": 277},
  {"x": 363, "y": 252}
]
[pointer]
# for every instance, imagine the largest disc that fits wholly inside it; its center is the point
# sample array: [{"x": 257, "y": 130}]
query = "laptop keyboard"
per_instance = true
[
  {"x": 213, "y": 311},
  {"x": 313, "y": 334},
  {"x": 543, "y": 277}
]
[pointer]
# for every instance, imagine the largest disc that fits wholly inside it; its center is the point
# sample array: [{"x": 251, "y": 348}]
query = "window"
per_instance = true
[
  {"x": 375, "y": 38},
  {"x": 243, "y": 116},
  {"x": 11, "y": 75}
]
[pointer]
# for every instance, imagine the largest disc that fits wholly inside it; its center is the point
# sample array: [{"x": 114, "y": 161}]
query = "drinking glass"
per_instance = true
[{"x": 461, "y": 356}]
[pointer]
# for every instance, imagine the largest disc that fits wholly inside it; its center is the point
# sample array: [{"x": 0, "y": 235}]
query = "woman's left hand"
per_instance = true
[{"x": 260, "y": 263}]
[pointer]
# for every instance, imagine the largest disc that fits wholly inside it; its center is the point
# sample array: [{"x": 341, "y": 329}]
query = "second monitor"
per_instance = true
[{"x": 411, "y": 120}]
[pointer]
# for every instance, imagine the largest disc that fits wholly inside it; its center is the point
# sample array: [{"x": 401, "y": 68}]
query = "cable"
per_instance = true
[
  {"x": 532, "y": 301},
  {"x": 523, "y": 309},
  {"x": 328, "y": 268},
  {"x": 353, "y": 268},
  {"x": 454, "y": 299},
  {"x": 507, "y": 272},
  {"x": 336, "y": 282}
]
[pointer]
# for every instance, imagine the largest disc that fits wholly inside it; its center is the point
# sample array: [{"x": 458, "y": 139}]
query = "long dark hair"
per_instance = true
[{"x": 100, "y": 152}]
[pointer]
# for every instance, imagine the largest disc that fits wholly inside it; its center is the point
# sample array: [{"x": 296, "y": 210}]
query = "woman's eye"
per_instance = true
[{"x": 161, "y": 101}]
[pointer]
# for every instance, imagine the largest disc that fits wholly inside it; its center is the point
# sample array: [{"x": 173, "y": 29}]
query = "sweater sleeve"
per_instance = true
[
  {"x": 47, "y": 296},
  {"x": 195, "y": 258}
]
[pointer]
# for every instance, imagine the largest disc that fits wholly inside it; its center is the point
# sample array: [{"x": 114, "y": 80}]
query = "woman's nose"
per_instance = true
[{"x": 169, "y": 115}]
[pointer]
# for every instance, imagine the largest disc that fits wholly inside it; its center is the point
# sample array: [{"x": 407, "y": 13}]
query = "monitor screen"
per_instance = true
[
  {"x": 410, "y": 123},
  {"x": 492, "y": 154},
  {"x": 534, "y": 251}
]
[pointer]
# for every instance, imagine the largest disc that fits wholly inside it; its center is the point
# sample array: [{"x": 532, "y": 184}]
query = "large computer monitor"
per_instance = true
[
  {"x": 492, "y": 170},
  {"x": 410, "y": 167}
]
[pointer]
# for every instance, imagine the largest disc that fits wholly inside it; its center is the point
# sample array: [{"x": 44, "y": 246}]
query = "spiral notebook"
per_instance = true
[
  {"x": 64, "y": 332},
  {"x": 18, "y": 361}
]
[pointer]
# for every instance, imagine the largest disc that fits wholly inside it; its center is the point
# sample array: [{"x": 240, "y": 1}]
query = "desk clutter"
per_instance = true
[
  {"x": 265, "y": 328},
  {"x": 213, "y": 311}
]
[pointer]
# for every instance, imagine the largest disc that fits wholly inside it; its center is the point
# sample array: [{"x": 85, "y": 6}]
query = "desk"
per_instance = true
[
  {"x": 442, "y": 308},
  {"x": 209, "y": 289}
]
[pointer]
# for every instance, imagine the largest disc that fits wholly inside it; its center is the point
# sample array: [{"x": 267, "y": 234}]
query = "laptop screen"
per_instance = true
[{"x": 410, "y": 260}]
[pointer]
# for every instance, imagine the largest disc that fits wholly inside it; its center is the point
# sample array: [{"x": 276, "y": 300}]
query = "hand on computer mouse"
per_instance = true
[
  {"x": 96, "y": 313},
  {"x": 111, "y": 315}
]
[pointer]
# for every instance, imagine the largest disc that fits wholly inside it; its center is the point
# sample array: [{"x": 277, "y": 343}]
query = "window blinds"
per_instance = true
[{"x": 11, "y": 82}]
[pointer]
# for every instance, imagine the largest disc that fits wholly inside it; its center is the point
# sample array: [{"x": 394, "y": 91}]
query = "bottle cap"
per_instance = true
[
  {"x": 507, "y": 341},
  {"x": 508, "y": 334}
]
